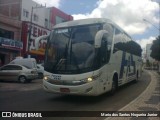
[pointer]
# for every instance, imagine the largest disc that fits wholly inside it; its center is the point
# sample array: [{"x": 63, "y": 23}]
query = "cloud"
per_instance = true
[
  {"x": 128, "y": 14},
  {"x": 49, "y": 3},
  {"x": 144, "y": 42}
]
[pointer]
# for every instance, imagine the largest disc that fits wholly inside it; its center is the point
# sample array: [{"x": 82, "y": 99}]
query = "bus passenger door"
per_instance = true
[
  {"x": 105, "y": 50},
  {"x": 103, "y": 47},
  {"x": 124, "y": 69},
  {"x": 131, "y": 68}
]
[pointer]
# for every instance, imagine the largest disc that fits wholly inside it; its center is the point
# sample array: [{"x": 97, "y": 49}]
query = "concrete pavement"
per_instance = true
[{"x": 149, "y": 100}]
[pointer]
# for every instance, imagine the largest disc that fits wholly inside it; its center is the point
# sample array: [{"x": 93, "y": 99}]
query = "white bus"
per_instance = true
[{"x": 90, "y": 57}]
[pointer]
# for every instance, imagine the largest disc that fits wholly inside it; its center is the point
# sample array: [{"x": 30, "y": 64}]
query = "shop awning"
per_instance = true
[{"x": 37, "y": 52}]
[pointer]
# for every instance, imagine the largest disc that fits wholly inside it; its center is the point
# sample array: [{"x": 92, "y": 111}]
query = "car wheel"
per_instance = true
[{"x": 22, "y": 79}]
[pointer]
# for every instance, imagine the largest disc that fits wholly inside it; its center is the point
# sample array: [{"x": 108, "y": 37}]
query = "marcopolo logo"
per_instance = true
[{"x": 6, "y": 114}]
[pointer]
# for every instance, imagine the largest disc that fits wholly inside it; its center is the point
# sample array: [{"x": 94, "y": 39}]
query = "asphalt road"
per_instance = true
[{"x": 31, "y": 97}]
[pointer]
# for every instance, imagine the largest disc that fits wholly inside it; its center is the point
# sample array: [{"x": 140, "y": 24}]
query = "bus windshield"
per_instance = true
[{"x": 71, "y": 50}]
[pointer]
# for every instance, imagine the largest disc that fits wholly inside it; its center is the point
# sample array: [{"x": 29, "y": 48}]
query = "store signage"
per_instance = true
[
  {"x": 9, "y": 43},
  {"x": 36, "y": 32}
]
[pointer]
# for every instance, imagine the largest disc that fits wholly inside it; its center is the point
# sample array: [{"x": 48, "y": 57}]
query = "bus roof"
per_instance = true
[
  {"x": 81, "y": 22},
  {"x": 88, "y": 22}
]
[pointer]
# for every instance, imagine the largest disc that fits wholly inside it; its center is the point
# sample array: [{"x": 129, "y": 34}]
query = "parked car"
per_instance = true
[
  {"x": 18, "y": 73},
  {"x": 40, "y": 70}
]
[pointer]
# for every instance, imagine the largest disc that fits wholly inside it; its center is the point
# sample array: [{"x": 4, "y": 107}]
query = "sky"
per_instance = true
[{"x": 128, "y": 14}]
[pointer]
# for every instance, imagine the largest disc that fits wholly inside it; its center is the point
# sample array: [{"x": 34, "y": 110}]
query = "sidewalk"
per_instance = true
[{"x": 149, "y": 100}]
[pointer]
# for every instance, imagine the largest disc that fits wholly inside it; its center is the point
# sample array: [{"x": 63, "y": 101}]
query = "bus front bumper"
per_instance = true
[{"x": 89, "y": 89}]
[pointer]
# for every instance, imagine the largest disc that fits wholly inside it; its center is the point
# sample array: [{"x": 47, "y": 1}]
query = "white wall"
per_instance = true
[
  {"x": 42, "y": 13},
  {"x": 148, "y": 52}
]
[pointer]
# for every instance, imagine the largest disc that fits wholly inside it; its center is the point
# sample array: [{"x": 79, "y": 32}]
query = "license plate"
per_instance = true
[{"x": 65, "y": 90}]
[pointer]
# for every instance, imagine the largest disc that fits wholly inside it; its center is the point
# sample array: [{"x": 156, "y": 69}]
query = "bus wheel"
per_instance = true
[{"x": 114, "y": 85}]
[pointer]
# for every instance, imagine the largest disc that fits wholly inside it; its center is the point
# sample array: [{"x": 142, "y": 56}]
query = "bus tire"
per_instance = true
[{"x": 114, "y": 85}]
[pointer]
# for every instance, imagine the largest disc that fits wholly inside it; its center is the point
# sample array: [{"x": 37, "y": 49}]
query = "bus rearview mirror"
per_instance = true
[{"x": 98, "y": 38}]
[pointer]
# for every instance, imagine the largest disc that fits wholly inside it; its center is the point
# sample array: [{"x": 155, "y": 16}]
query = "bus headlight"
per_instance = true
[
  {"x": 79, "y": 82},
  {"x": 87, "y": 80},
  {"x": 90, "y": 79}
]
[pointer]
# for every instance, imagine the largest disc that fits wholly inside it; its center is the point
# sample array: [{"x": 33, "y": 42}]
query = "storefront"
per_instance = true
[
  {"x": 10, "y": 37},
  {"x": 9, "y": 49},
  {"x": 36, "y": 32}
]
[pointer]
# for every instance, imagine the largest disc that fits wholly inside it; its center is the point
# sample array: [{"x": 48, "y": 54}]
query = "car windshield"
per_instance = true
[{"x": 71, "y": 50}]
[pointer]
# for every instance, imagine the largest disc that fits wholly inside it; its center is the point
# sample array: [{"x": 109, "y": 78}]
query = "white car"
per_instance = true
[
  {"x": 17, "y": 73},
  {"x": 40, "y": 70}
]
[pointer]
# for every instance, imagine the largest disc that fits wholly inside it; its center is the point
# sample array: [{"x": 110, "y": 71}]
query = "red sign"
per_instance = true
[{"x": 36, "y": 32}]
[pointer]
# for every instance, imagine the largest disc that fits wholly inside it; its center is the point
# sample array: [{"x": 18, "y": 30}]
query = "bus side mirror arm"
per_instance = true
[
  {"x": 98, "y": 38},
  {"x": 43, "y": 37}
]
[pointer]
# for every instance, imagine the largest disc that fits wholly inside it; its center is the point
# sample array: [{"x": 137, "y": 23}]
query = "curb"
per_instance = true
[{"x": 145, "y": 101}]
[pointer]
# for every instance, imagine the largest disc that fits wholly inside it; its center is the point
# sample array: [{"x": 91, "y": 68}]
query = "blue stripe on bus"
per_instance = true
[
  {"x": 124, "y": 63},
  {"x": 132, "y": 63}
]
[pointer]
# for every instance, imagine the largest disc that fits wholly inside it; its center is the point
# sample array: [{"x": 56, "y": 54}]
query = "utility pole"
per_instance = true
[{"x": 30, "y": 27}]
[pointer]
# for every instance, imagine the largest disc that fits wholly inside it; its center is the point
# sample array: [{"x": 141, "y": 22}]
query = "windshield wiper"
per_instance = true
[{"x": 60, "y": 64}]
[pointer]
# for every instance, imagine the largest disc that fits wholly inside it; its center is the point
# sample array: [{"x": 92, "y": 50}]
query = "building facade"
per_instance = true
[
  {"x": 39, "y": 13},
  {"x": 37, "y": 20},
  {"x": 23, "y": 21},
  {"x": 10, "y": 29},
  {"x": 148, "y": 53}
]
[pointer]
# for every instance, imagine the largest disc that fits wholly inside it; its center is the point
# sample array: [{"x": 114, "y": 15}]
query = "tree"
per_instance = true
[{"x": 156, "y": 50}]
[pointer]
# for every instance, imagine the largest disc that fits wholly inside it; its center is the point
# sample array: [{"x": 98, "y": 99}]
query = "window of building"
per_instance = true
[
  {"x": 6, "y": 34},
  {"x": 35, "y": 17},
  {"x": 25, "y": 13},
  {"x": 46, "y": 23}
]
